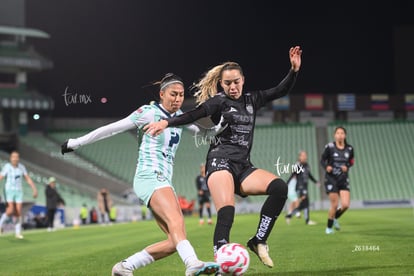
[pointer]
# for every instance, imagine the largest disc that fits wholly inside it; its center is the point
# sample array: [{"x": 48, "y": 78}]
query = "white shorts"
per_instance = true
[
  {"x": 146, "y": 182},
  {"x": 14, "y": 196},
  {"x": 292, "y": 194}
]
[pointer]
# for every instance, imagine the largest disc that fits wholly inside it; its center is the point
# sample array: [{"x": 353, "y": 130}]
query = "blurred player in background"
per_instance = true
[
  {"x": 14, "y": 172},
  {"x": 336, "y": 159},
  {"x": 153, "y": 179},
  {"x": 53, "y": 200},
  {"x": 104, "y": 205},
  {"x": 302, "y": 174},
  {"x": 203, "y": 195},
  {"x": 293, "y": 199},
  {"x": 228, "y": 166}
]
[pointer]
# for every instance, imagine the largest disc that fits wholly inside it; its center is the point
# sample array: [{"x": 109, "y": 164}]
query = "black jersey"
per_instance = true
[
  {"x": 235, "y": 142},
  {"x": 335, "y": 157},
  {"x": 302, "y": 174},
  {"x": 201, "y": 183}
]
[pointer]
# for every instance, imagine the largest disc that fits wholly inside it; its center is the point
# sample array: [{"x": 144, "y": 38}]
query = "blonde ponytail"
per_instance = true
[{"x": 207, "y": 86}]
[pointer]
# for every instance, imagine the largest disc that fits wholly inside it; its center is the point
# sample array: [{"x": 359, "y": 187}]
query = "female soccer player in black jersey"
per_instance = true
[
  {"x": 228, "y": 166},
  {"x": 336, "y": 159},
  {"x": 302, "y": 175}
]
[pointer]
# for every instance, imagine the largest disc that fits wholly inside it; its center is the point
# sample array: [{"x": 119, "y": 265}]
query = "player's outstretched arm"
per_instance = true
[{"x": 98, "y": 134}]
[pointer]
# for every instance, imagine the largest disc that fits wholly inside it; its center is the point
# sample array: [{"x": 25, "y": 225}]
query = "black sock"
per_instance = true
[
  {"x": 330, "y": 223},
  {"x": 225, "y": 217},
  {"x": 200, "y": 212},
  {"x": 209, "y": 212},
  {"x": 277, "y": 191},
  {"x": 338, "y": 213}
]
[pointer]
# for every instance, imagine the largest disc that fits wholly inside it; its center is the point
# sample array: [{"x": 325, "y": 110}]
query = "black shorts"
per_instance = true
[
  {"x": 334, "y": 184},
  {"x": 239, "y": 170},
  {"x": 302, "y": 192},
  {"x": 204, "y": 198}
]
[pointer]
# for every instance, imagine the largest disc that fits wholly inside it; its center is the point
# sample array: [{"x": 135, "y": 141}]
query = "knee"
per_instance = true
[
  {"x": 176, "y": 224},
  {"x": 277, "y": 187}
]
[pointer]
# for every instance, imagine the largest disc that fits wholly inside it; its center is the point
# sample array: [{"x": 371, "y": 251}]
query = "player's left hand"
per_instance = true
[
  {"x": 34, "y": 193},
  {"x": 155, "y": 128},
  {"x": 344, "y": 168},
  {"x": 295, "y": 54}
]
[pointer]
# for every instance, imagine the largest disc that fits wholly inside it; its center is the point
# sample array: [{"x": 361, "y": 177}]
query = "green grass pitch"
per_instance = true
[{"x": 371, "y": 242}]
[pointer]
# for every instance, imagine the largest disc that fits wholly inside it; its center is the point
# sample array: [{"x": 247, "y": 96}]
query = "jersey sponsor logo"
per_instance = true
[
  {"x": 243, "y": 118},
  {"x": 249, "y": 108},
  {"x": 175, "y": 138},
  {"x": 160, "y": 176},
  {"x": 213, "y": 163}
]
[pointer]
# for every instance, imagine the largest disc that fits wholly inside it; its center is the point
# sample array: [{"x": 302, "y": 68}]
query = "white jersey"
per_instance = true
[
  {"x": 156, "y": 153},
  {"x": 14, "y": 176}
]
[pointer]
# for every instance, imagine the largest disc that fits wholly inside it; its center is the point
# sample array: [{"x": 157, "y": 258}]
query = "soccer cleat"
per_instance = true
[
  {"x": 262, "y": 251},
  {"x": 287, "y": 218},
  {"x": 336, "y": 225},
  {"x": 201, "y": 221},
  {"x": 119, "y": 270},
  {"x": 19, "y": 236},
  {"x": 199, "y": 268},
  {"x": 210, "y": 221},
  {"x": 311, "y": 222},
  {"x": 329, "y": 231},
  {"x": 298, "y": 215}
]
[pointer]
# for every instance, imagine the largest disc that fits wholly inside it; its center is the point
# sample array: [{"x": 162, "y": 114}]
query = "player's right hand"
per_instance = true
[{"x": 64, "y": 148}]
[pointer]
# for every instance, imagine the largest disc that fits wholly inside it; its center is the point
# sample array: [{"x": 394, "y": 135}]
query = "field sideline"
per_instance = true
[{"x": 371, "y": 242}]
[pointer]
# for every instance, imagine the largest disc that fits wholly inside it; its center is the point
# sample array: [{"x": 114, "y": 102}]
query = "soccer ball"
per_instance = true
[{"x": 233, "y": 259}]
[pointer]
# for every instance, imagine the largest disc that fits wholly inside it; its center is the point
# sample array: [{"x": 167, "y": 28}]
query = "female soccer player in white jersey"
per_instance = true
[
  {"x": 14, "y": 172},
  {"x": 152, "y": 182}
]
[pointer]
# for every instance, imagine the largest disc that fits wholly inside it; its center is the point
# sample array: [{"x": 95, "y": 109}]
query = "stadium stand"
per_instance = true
[
  {"x": 50, "y": 147},
  {"x": 116, "y": 156}
]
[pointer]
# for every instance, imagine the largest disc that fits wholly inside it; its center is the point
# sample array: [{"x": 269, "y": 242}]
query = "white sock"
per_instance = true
[
  {"x": 138, "y": 260},
  {"x": 186, "y": 252},
  {"x": 3, "y": 218},
  {"x": 18, "y": 225}
]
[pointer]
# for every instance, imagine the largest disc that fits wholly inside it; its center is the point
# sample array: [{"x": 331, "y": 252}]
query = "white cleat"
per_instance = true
[
  {"x": 329, "y": 231},
  {"x": 19, "y": 236},
  {"x": 119, "y": 270},
  {"x": 199, "y": 268},
  {"x": 336, "y": 225},
  {"x": 311, "y": 222},
  {"x": 262, "y": 251}
]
